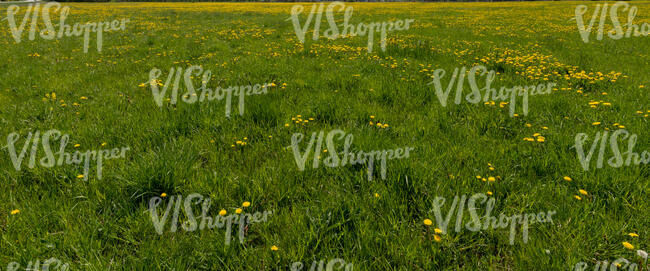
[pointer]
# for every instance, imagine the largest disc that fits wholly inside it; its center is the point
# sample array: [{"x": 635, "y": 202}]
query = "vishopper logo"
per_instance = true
[
  {"x": 477, "y": 223},
  {"x": 50, "y": 32},
  {"x": 618, "y": 264},
  {"x": 616, "y": 33},
  {"x": 334, "y": 264},
  {"x": 204, "y": 92},
  {"x": 618, "y": 158},
  {"x": 63, "y": 157},
  {"x": 49, "y": 264},
  {"x": 191, "y": 224},
  {"x": 507, "y": 96},
  {"x": 349, "y": 157},
  {"x": 333, "y": 32}
]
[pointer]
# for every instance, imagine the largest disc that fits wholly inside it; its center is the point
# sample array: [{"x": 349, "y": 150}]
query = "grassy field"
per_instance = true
[{"x": 323, "y": 213}]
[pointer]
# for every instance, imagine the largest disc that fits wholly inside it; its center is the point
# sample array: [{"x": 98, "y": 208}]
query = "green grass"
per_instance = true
[{"x": 324, "y": 213}]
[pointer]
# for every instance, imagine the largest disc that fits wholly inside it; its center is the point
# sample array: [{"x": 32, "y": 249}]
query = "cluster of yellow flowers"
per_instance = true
[
  {"x": 223, "y": 212},
  {"x": 299, "y": 120},
  {"x": 489, "y": 178},
  {"x": 378, "y": 124},
  {"x": 240, "y": 143},
  {"x": 628, "y": 245},
  {"x": 437, "y": 231},
  {"x": 640, "y": 112},
  {"x": 52, "y": 97},
  {"x": 536, "y": 137},
  {"x": 617, "y": 125},
  {"x": 153, "y": 82},
  {"x": 594, "y": 104}
]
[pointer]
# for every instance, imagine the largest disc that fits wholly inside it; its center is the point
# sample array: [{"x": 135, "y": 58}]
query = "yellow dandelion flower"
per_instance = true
[
  {"x": 80, "y": 176},
  {"x": 567, "y": 178},
  {"x": 633, "y": 234},
  {"x": 437, "y": 238},
  {"x": 584, "y": 192},
  {"x": 163, "y": 195},
  {"x": 438, "y": 231},
  {"x": 376, "y": 195},
  {"x": 274, "y": 248},
  {"x": 238, "y": 211},
  {"x": 596, "y": 123},
  {"x": 428, "y": 222},
  {"x": 628, "y": 245},
  {"x": 246, "y": 204},
  {"x": 15, "y": 212},
  {"x": 222, "y": 212},
  {"x": 491, "y": 179},
  {"x": 489, "y": 193},
  {"x": 577, "y": 197}
]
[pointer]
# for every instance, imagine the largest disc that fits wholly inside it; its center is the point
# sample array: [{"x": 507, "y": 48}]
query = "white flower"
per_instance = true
[{"x": 642, "y": 254}]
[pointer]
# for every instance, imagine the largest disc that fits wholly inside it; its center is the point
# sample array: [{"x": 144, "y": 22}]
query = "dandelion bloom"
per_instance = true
[
  {"x": 437, "y": 238},
  {"x": 238, "y": 211},
  {"x": 438, "y": 231},
  {"x": 489, "y": 193},
  {"x": 633, "y": 234},
  {"x": 577, "y": 197},
  {"x": 567, "y": 178},
  {"x": 246, "y": 204},
  {"x": 15, "y": 212},
  {"x": 376, "y": 195},
  {"x": 222, "y": 212},
  {"x": 428, "y": 222},
  {"x": 80, "y": 176},
  {"x": 628, "y": 245},
  {"x": 584, "y": 192},
  {"x": 163, "y": 195},
  {"x": 274, "y": 248}
]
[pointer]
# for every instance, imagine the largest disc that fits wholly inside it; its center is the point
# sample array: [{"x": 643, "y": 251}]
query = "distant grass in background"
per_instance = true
[{"x": 104, "y": 224}]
